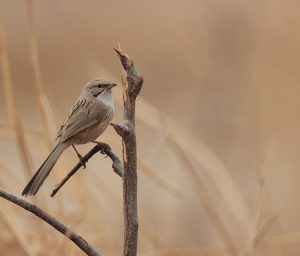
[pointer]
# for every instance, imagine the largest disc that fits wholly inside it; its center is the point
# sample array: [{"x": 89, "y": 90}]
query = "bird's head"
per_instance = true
[{"x": 98, "y": 87}]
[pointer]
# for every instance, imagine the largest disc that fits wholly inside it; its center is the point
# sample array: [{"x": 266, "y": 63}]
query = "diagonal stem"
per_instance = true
[
  {"x": 75, "y": 238},
  {"x": 103, "y": 149}
]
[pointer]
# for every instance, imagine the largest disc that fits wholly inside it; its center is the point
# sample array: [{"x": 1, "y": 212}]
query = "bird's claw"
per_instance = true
[
  {"x": 105, "y": 148},
  {"x": 82, "y": 162},
  {"x": 103, "y": 151}
]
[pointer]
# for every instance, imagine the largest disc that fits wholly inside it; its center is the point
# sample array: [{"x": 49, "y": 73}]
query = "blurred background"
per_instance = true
[{"x": 217, "y": 124}]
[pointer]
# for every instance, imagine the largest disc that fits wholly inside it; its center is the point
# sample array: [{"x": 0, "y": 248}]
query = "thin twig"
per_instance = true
[
  {"x": 78, "y": 240},
  {"x": 103, "y": 149},
  {"x": 132, "y": 85}
]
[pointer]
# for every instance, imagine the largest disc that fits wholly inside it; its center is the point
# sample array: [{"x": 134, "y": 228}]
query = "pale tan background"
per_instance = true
[{"x": 219, "y": 108}]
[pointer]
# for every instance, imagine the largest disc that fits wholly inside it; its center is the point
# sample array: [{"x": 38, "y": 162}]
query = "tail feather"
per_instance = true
[{"x": 42, "y": 173}]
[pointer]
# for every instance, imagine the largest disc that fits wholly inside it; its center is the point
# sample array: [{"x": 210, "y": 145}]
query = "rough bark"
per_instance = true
[
  {"x": 78, "y": 240},
  {"x": 132, "y": 85}
]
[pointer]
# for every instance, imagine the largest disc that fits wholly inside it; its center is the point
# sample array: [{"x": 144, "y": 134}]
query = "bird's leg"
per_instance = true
[
  {"x": 103, "y": 145},
  {"x": 80, "y": 157}
]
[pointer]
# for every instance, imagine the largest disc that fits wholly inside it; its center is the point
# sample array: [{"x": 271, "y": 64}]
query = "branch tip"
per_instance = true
[
  {"x": 126, "y": 130},
  {"x": 122, "y": 129},
  {"x": 118, "y": 51}
]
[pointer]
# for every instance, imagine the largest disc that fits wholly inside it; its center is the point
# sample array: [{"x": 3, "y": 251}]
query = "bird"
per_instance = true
[{"x": 87, "y": 120}]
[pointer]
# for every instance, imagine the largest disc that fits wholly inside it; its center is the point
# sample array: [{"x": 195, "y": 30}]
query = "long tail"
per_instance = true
[{"x": 42, "y": 173}]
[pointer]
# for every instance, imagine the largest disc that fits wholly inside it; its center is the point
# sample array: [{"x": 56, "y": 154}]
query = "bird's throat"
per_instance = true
[{"x": 106, "y": 98}]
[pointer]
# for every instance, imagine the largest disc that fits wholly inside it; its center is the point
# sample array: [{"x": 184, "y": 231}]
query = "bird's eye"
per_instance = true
[{"x": 99, "y": 86}]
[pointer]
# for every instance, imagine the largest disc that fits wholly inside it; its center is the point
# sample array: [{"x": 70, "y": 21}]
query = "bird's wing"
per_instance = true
[
  {"x": 85, "y": 113},
  {"x": 74, "y": 109}
]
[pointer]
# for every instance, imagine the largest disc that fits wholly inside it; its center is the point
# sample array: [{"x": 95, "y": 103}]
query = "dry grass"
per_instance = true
[
  {"x": 210, "y": 183},
  {"x": 43, "y": 104},
  {"x": 13, "y": 114}
]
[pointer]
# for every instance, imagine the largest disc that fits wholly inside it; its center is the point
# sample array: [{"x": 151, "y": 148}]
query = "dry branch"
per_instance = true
[
  {"x": 78, "y": 240},
  {"x": 127, "y": 170},
  {"x": 131, "y": 88},
  {"x": 103, "y": 149}
]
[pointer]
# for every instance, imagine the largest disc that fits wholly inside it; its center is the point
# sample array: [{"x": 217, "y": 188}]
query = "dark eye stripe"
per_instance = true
[
  {"x": 102, "y": 85},
  {"x": 96, "y": 94}
]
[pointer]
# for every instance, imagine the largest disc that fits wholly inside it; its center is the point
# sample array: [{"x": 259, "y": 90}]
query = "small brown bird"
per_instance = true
[{"x": 89, "y": 117}]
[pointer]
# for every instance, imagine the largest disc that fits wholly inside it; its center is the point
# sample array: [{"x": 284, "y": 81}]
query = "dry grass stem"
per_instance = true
[
  {"x": 11, "y": 104},
  {"x": 256, "y": 232},
  {"x": 45, "y": 111},
  {"x": 9, "y": 216},
  {"x": 201, "y": 153},
  {"x": 284, "y": 239},
  {"x": 205, "y": 199}
]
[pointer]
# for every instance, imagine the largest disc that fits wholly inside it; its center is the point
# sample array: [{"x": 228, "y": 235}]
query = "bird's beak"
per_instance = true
[{"x": 112, "y": 85}]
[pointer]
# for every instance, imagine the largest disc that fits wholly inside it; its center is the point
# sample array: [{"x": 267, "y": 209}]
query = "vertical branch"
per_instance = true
[{"x": 131, "y": 88}]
